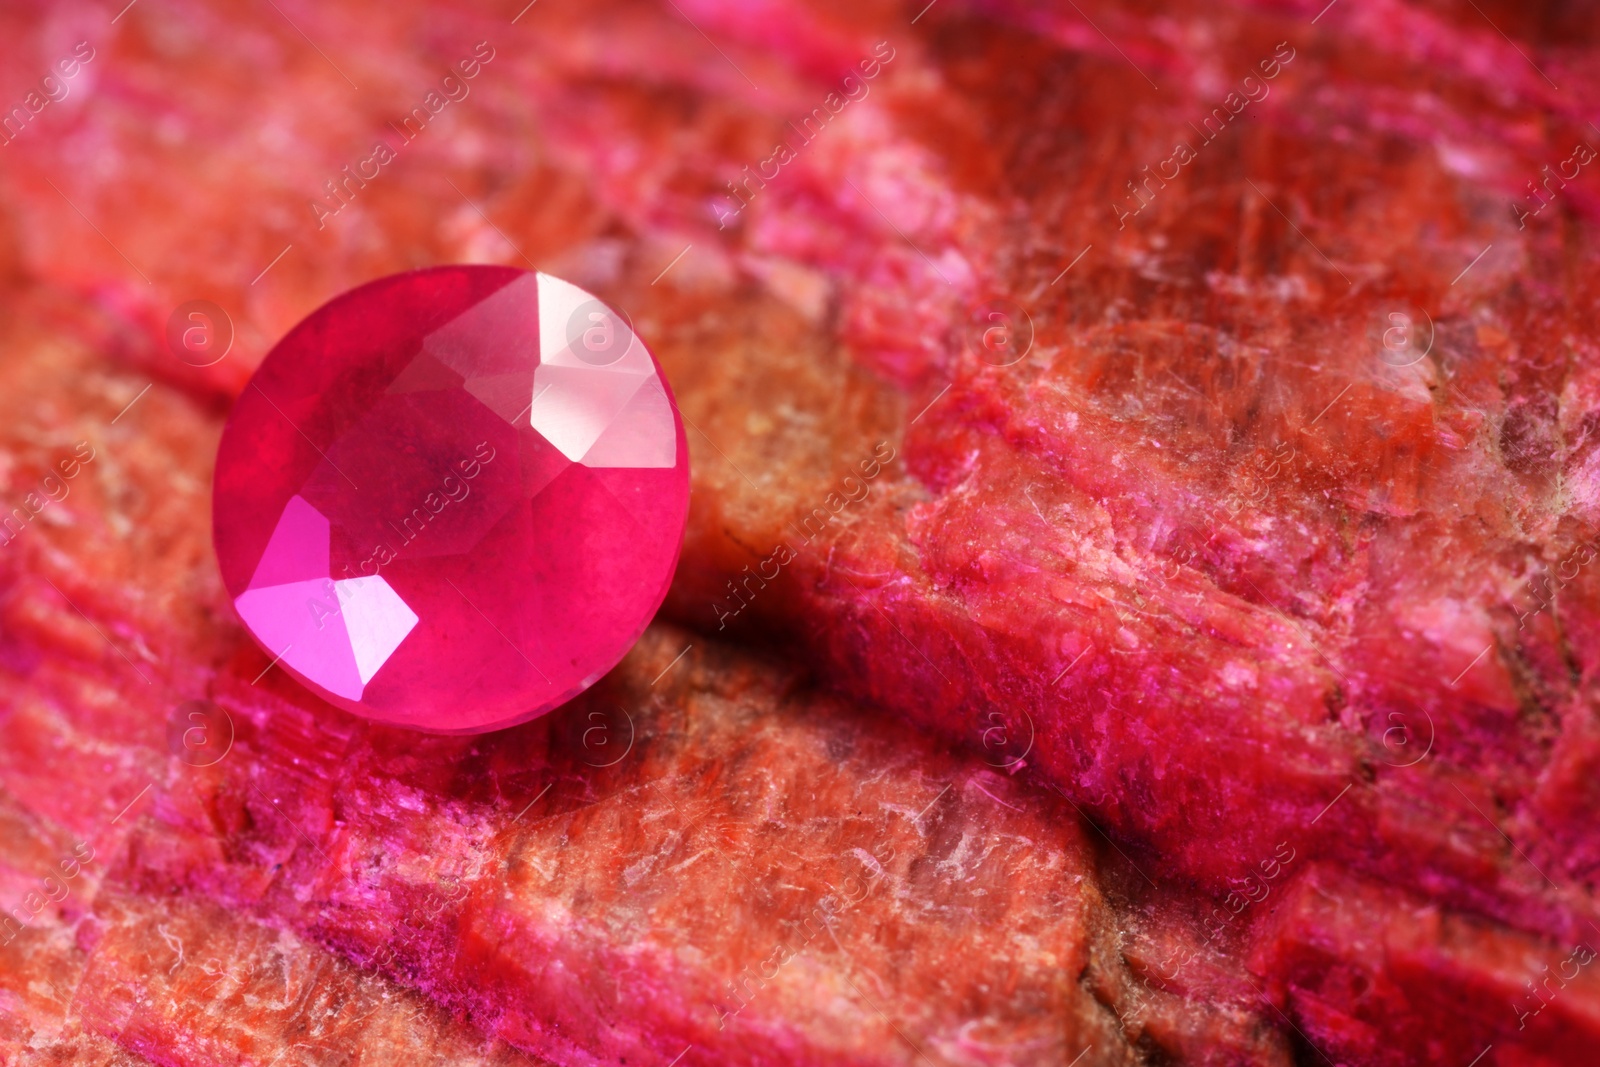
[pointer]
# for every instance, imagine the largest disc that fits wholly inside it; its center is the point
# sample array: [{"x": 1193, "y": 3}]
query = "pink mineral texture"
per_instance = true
[{"x": 1241, "y": 580}]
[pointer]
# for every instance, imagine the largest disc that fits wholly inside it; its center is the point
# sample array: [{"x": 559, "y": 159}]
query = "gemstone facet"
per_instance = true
[{"x": 452, "y": 499}]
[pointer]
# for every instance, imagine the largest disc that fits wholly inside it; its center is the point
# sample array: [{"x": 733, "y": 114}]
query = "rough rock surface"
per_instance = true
[
  {"x": 1249, "y": 586},
  {"x": 702, "y": 857}
]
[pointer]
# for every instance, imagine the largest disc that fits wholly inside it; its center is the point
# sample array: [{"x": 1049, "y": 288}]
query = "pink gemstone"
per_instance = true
[{"x": 452, "y": 499}]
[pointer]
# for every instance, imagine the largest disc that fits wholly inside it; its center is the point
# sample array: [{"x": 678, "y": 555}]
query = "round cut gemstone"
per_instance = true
[{"x": 452, "y": 499}]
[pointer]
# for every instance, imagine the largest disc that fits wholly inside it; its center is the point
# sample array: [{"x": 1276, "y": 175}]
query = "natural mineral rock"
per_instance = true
[
  {"x": 1276, "y": 538},
  {"x": 702, "y": 856}
]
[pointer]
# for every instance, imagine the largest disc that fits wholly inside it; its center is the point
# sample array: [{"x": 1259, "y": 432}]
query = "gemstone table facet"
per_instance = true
[{"x": 452, "y": 499}]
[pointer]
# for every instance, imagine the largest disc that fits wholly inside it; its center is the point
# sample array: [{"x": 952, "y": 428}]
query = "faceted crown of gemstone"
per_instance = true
[{"x": 452, "y": 499}]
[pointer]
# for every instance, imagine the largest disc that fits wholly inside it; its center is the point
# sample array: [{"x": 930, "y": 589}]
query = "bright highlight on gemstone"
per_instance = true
[{"x": 452, "y": 499}]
